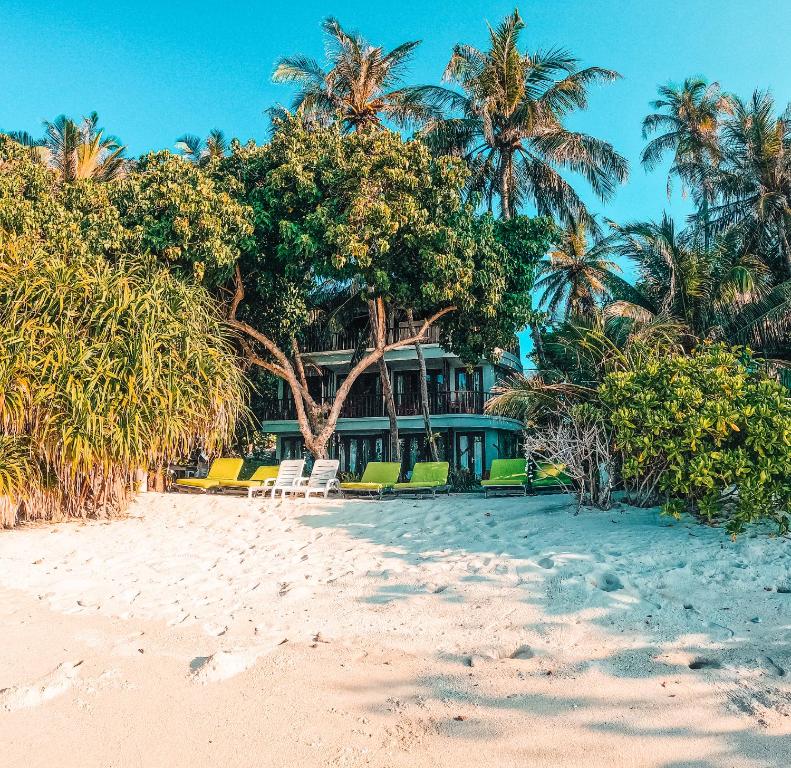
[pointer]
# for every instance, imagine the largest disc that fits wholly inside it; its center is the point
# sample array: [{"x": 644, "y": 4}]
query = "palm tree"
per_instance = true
[
  {"x": 202, "y": 152},
  {"x": 673, "y": 275},
  {"x": 82, "y": 150},
  {"x": 578, "y": 275},
  {"x": 688, "y": 127},
  {"x": 723, "y": 293},
  {"x": 755, "y": 180},
  {"x": 507, "y": 122},
  {"x": 359, "y": 85}
]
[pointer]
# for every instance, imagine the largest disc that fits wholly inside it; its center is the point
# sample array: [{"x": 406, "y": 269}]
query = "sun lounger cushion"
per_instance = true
[
  {"x": 548, "y": 473},
  {"x": 255, "y": 480},
  {"x": 198, "y": 482},
  {"x": 506, "y": 472},
  {"x": 221, "y": 469},
  {"x": 378, "y": 476},
  {"x": 426, "y": 474}
]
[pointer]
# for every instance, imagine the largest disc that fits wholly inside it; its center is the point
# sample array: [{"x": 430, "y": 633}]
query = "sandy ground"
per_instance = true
[{"x": 215, "y": 631}]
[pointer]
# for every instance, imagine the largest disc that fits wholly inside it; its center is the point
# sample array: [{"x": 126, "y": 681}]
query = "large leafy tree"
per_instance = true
[
  {"x": 360, "y": 85},
  {"x": 365, "y": 210},
  {"x": 508, "y": 119}
]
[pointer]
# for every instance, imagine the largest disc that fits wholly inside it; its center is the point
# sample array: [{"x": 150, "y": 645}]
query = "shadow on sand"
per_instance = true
[{"x": 673, "y": 607}]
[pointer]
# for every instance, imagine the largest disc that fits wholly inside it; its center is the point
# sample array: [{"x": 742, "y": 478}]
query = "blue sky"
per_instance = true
[{"x": 156, "y": 70}]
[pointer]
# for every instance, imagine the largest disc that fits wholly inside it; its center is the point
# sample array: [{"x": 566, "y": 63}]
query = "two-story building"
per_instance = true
[{"x": 467, "y": 437}]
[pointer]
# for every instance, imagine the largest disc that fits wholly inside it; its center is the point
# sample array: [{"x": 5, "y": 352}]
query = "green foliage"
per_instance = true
[
  {"x": 70, "y": 221},
  {"x": 107, "y": 368},
  {"x": 107, "y": 363},
  {"x": 501, "y": 291},
  {"x": 373, "y": 210},
  {"x": 708, "y": 432},
  {"x": 182, "y": 215},
  {"x": 463, "y": 481},
  {"x": 366, "y": 205}
]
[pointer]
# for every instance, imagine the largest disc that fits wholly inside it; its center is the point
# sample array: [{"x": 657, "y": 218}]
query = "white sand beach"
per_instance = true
[{"x": 216, "y": 631}]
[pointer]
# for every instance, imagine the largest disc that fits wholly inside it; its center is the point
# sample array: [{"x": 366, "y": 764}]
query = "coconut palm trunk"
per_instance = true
[{"x": 506, "y": 184}]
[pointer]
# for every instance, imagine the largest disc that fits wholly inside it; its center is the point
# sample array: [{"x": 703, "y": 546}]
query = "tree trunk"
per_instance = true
[
  {"x": 392, "y": 415},
  {"x": 425, "y": 407},
  {"x": 538, "y": 346},
  {"x": 706, "y": 224},
  {"x": 317, "y": 432},
  {"x": 506, "y": 179},
  {"x": 379, "y": 333},
  {"x": 786, "y": 248}
]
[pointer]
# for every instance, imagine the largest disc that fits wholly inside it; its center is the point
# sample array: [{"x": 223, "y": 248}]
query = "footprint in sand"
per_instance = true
[
  {"x": 523, "y": 652},
  {"x": 608, "y": 582},
  {"x": 774, "y": 668},
  {"x": 48, "y": 687},
  {"x": 214, "y": 629},
  {"x": 704, "y": 663}
]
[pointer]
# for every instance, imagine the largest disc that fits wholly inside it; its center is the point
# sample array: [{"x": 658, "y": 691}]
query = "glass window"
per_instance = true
[
  {"x": 353, "y": 455},
  {"x": 470, "y": 453}
]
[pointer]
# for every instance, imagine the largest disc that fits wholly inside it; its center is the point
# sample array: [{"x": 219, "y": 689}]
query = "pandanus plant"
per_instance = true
[{"x": 104, "y": 369}]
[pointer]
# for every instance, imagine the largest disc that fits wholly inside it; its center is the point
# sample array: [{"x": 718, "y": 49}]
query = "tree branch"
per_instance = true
[{"x": 420, "y": 337}]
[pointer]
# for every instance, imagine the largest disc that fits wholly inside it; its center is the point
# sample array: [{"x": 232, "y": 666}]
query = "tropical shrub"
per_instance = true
[
  {"x": 104, "y": 369},
  {"x": 706, "y": 432}
]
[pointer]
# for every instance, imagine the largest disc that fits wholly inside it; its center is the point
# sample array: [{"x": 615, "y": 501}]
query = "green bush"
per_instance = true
[
  {"x": 104, "y": 369},
  {"x": 707, "y": 433}
]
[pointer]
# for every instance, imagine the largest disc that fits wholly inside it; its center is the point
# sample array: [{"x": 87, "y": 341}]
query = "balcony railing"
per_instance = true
[
  {"x": 407, "y": 404},
  {"x": 337, "y": 341}
]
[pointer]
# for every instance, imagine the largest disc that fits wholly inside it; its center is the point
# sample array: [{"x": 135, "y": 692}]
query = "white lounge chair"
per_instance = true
[
  {"x": 322, "y": 480},
  {"x": 289, "y": 474}
]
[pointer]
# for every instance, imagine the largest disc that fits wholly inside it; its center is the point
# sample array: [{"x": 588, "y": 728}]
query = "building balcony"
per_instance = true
[
  {"x": 350, "y": 340},
  {"x": 323, "y": 340},
  {"x": 407, "y": 404}
]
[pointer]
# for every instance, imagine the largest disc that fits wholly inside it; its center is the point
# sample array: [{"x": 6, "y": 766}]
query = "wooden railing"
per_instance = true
[
  {"x": 350, "y": 339},
  {"x": 407, "y": 404}
]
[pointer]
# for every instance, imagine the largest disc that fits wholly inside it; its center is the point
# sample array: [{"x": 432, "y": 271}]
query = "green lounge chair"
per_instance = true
[
  {"x": 426, "y": 476},
  {"x": 546, "y": 475},
  {"x": 256, "y": 480},
  {"x": 507, "y": 475},
  {"x": 221, "y": 469},
  {"x": 378, "y": 477}
]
